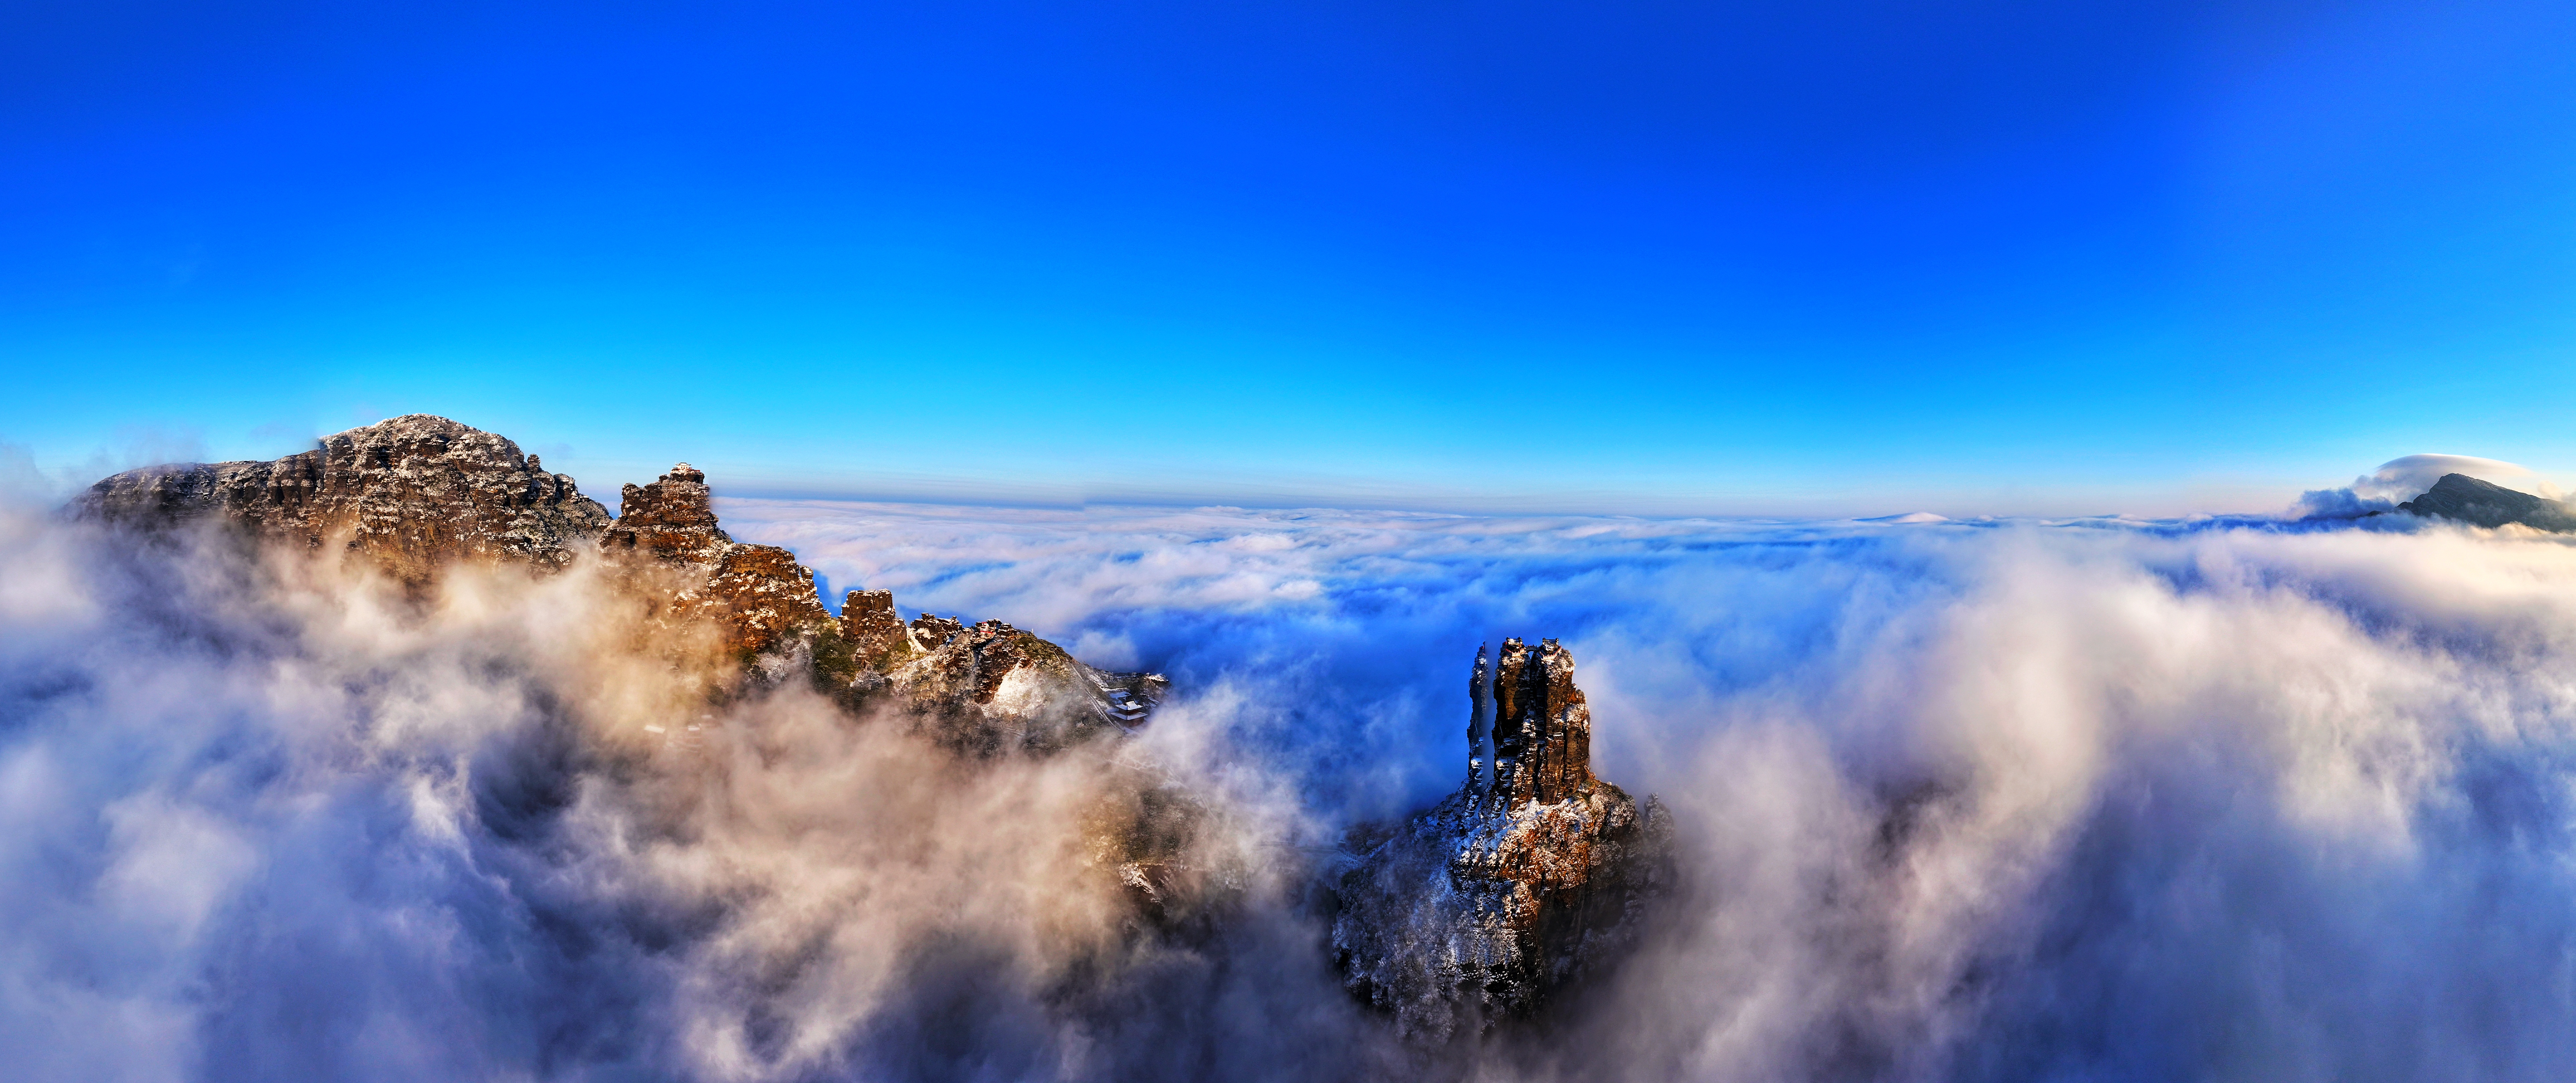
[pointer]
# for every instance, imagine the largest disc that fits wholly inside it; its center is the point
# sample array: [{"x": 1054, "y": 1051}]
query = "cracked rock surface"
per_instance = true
[
  {"x": 1533, "y": 874},
  {"x": 411, "y": 493}
]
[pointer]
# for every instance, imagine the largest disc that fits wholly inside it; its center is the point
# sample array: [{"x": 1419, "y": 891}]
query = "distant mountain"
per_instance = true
[{"x": 2483, "y": 503}]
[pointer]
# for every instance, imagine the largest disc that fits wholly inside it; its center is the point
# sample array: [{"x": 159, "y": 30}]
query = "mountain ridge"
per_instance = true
[
  {"x": 2465, "y": 499},
  {"x": 414, "y": 494}
]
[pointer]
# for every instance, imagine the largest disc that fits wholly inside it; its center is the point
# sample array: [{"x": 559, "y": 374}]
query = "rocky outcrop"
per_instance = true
[
  {"x": 671, "y": 519},
  {"x": 1533, "y": 874},
  {"x": 419, "y": 492},
  {"x": 934, "y": 632},
  {"x": 411, "y": 494},
  {"x": 760, "y": 598},
  {"x": 1542, "y": 729},
  {"x": 2483, "y": 503},
  {"x": 878, "y": 639},
  {"x": 997, "y": 687}
]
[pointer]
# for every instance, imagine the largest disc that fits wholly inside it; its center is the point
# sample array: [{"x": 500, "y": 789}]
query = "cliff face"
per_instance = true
[
  {"x": 1532, "y": 874},
  {"x": 411, "y": 493},
  {"x": 1542, "y": 729},
  {"x": 419, "y": 492},
  {"x": 672, "y": 519}
]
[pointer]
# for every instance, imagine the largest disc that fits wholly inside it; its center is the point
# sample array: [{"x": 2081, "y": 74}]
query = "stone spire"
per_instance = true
[
  {"x": 1542, "y": 728},
  {"x": 1511, "y": 721},
  {"x": 1523, "y": 880},
  {"x": 1480, "y": 722},
  {"x": 1565, "y": 728}
]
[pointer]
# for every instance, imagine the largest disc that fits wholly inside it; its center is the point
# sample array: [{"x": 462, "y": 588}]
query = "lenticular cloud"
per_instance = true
[
  {"x": 2408, "y": 476},
  {"x": 1955, "y": 802}
]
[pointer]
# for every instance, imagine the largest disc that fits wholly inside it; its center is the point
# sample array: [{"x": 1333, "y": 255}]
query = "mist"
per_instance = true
[{"x": 2021, "y": 800}]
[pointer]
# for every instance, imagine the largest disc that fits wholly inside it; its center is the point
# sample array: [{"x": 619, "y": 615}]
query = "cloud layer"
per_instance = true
[
  {"x": 2408, "y": 476},
  {"x": 1998, "y": 801}
]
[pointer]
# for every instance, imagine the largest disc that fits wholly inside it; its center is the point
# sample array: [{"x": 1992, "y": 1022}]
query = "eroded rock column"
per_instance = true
[{"x": 1480, "y": 723}]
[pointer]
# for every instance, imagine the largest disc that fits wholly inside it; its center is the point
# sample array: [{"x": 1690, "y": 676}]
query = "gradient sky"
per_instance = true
[{"x": 1811, "y": 257}]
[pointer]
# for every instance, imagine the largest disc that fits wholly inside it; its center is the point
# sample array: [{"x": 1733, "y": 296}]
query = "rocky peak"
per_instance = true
[
  {"x": 1526, "y": 878},
  {"x": 418, "y": 492},
  {"x": 989, "y": 686},
  {"x": 987, "y": 663},
  {"x": 2484, "y": 503},
  {"x": 410, "y": 493},
  {"x": 1542, "y": 729},
  {"x": 758, "y": 596},
  {"x": 877, "y": 636},
  {"x": 672, "y": 517}
]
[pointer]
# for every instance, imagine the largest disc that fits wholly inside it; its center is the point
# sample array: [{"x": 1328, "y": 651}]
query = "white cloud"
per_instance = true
[
  {"x": 2099, "y": 799},
  {"x": 2407, "y": 477}
]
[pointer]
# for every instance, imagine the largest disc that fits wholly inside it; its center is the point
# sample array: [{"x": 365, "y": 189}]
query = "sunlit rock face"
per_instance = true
[
  {"x": 411, "y": 494},
  {"x": 419, "y": 492},
  {"x": 1533, "y": 874},
  {"x": 673, "y": 518},
  {"x": 933, "y": 631},
  {"x": 878, "y": 638},
  {"x": 760, "y": 598}
]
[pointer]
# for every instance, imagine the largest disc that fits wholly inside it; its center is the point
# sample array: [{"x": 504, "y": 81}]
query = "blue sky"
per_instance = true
[{"x": 1791, "y": 258}]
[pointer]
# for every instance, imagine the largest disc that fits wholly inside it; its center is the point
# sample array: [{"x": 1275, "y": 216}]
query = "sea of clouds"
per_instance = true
[{"x": 2095, "y": 799}]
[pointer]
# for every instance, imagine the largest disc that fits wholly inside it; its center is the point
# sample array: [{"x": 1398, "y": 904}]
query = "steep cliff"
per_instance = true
[{"x": 1531, "y": 875}]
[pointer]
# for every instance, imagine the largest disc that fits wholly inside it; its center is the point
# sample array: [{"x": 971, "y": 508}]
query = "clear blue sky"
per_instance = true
[{"x": 1758, "y": 257}]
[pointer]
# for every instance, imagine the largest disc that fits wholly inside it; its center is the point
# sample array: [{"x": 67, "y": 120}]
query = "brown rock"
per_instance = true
[
  {"x": 996, "y": 687},
  {"x": 876, "y": 634},
  {"x": 935, "y": 632},
  {"x": 1515, "y": 885},
  {"x": 670, "y": 519},
  {"x": 760, "y": 598},
  {"x": 418, "y": 492},
  {"x": 411, "y": 493}
]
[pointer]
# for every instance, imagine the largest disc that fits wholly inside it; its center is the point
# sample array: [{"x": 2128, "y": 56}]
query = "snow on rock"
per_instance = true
[
  {"x": 419, "y": 492},
  {"x": 410, "y": 494},
  {"x": 1534, "y": 873}
]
